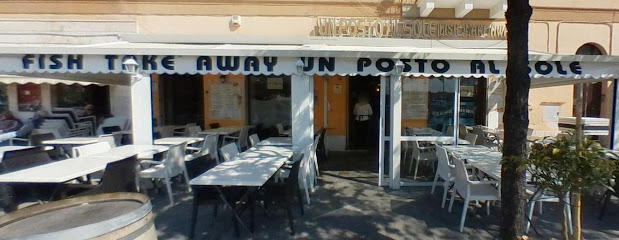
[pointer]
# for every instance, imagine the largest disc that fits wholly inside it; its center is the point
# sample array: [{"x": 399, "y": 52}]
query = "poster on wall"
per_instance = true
[
  {"x": 415, "y": 98},
  {"x": 29, "y": 97},
  {"x": 226, "y": 101},
  {"x": 275, "y": 83}
]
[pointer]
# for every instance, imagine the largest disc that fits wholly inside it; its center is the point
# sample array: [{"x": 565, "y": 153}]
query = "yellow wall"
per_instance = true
[
  {"x": 319, "y": 103},
  {"x": 156, "y": 97},
  {"x": 336, "y": 116},
  {"x": 214, "y": 79}
]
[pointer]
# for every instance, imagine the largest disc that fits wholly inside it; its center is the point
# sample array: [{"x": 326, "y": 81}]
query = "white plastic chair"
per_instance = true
[
  {"x": 229, "y": 151},
  {"x": 471, "y": 190},
  {"x": 209, "y": 146},
  {"x": 471, "y": 138},
  {"x": 481, "y": 135},
  {"x": 109, "y": 138},
  {"x": 172, "y": 165},
  {"x": 443, "y": 171},
  {"x": 241, "y": 140},
  {"x": 540, "y": 196},
  {"x": 254, "y": 140},
  {"x": 420, "y": 154},
  {"x": 304, "y": 172},
  {"x": 91, "y": 149},
  {"x": 280, "y": 129}
]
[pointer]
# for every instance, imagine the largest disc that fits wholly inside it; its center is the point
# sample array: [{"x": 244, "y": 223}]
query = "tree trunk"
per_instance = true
[
  {"x": 576, "y": 205},
  {"x": 515, "y": 120}
]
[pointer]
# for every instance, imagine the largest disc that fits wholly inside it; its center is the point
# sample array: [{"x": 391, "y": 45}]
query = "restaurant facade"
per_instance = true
[{"x": 420, "y": 64}]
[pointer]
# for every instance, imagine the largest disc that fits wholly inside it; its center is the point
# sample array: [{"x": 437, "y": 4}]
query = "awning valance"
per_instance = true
[
  {"x": 246, "y": 59},
  {"x": 67, "y": 79}
]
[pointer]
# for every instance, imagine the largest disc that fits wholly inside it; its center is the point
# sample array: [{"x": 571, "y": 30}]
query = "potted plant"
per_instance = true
[{"x": 565, "y": 167}]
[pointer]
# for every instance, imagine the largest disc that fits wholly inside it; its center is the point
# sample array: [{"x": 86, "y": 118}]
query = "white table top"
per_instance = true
[
  {"x": 221, "y": 131},
  {"x": 435, "y": 139},
  {"x": 482, "y": 158},
  {"x": 59, "y": 171},
  {"x": 143, "y": 151},
  {"x": 11, "y": 148},
  {"x": 266, "y": 151},
  {"x": 177, "y": 140},
  {"x": 276, "y": 141},
  {"x": 251, "y": 168},
  {"x": 155, "y": 129},
  {"x": 72, "y": 141}
]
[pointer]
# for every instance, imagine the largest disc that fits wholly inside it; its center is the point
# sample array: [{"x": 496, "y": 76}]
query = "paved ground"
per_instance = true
[{"x": 348, "y": 204}]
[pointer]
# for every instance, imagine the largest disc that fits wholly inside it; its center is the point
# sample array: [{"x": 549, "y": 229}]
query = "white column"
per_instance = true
[
  {"x": 396, "y": 126},
  {"x": 381, "y": 131},
  {"x": 300, "y": 102},
  {"x": 614, "y": 134},
  {"x": 141, "y": 110}
]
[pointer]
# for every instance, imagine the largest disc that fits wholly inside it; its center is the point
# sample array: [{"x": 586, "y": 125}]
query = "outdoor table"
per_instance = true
[
  {"x": 72, "y": 141},
  {"x": 252, "y": 169},
  {"x": 177, "y": 140},
  {"x": 276, "y": 141},
  {"x": 60, "y": 171},
  {"x": 221, "y": 131},
  {"x": 481, "y": 158},
  {"x": 11, "y": 148},
  {"x": 437, "y": 139},
  {"x": 143, "y": 151}
]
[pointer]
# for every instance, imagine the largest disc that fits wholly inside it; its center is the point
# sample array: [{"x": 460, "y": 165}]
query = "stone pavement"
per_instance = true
[{"x": 350, "y": 205}]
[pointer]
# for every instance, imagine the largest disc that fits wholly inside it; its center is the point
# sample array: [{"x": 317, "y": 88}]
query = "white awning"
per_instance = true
[
  {"x": 283, "y": 59},
  {"x": 67, "y": 79}
]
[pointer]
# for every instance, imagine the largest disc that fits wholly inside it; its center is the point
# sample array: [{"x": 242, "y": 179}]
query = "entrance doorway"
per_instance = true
[
  {"x": 363, "y": 111},
  {"x": 182, "y": 99}
]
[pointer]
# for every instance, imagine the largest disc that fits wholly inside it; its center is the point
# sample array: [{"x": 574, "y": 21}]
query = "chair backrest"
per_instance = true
[
  {"x": 209, "y": 146},
  {"x": 108, "y": 138},
  {"x": 199, "y": 165},
  {"x": 48, "y": 130},
  {"x": 292, "y": 182},
  {"x": 111, "y": 129},
  {"x": 443, "y": 169},
  {"x": 27, "y": 159},
  {"x": 462, "y": 131},
  {"x": 449, "y": 131},
  {"x": 280, "y": 128},
  {"x": 416, "y": 150},
  {"x": 304, "y": 167},
  {"x": 461, "y": 181},
  {"x": 214, "y": 125},
  {"x": 254, "y": 139},
  {"x": 192, "y": 130},
  {"x": 243, "y": 136},
  {"x": 120, "y": 176},
  {"x": 228, "y": 152},
  {"x": 472, "y": 138},
  {"x": 37, "y": 139},
  {"x": 481, "y": 136},
  {"x": 175, "y": 159},
  {"x": 91, "y": 149}
]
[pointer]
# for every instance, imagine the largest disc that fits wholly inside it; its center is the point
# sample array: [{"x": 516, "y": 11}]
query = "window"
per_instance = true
[
  {"x": 4, "y": 104},
  {"x": 77, "y": 96},
  {"x": 29, "y": 97},
  {"x": 269, "y": 100}
]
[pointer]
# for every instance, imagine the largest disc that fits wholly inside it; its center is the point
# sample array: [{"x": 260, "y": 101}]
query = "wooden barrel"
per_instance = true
[{"x": 103, "y": 216}]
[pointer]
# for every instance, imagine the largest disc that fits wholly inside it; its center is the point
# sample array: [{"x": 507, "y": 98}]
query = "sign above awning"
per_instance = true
[{"x": 285, "y": 60}]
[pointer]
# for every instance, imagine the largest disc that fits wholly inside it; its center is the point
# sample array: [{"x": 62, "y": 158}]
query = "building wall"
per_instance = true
[{"x": 557, "y": 26}]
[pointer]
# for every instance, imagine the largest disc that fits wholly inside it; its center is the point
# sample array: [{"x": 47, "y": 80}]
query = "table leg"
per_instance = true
[{"x": 236, "y": 210}]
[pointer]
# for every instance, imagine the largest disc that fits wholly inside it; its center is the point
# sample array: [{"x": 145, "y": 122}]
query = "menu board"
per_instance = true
[
  {"x": 415, "y": 98},
  {"x": 226, "y": 100}
]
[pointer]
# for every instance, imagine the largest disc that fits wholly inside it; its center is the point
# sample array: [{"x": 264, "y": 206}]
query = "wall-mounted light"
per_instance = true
[
  {"x": 236, "y": 21},
  {"x": 131, "y": 66},
  {"x": 399, "y": 68},
  {"x": 300, "y": 64}
]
